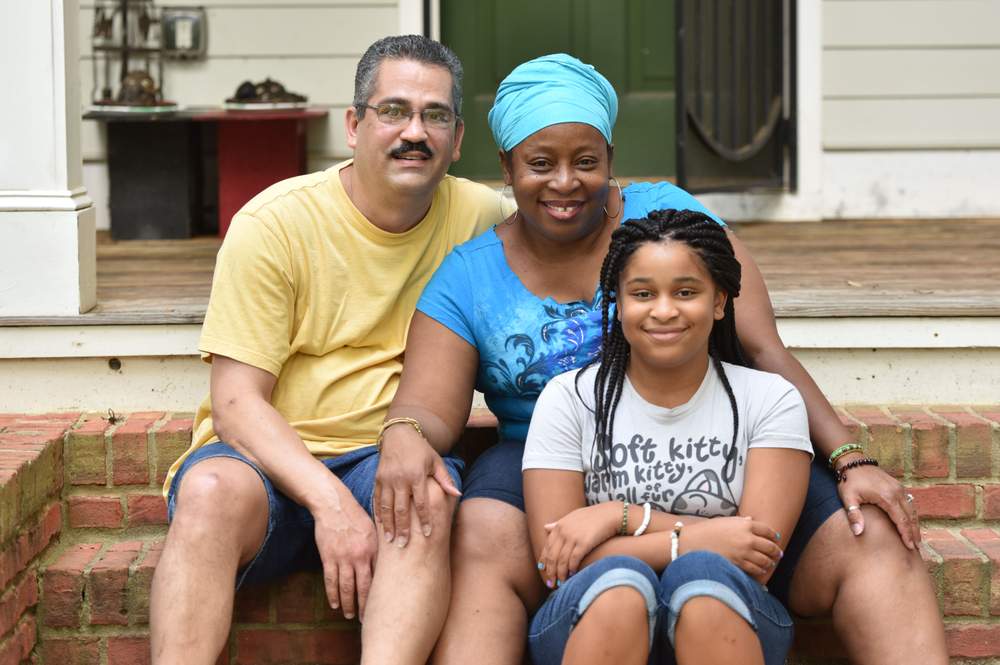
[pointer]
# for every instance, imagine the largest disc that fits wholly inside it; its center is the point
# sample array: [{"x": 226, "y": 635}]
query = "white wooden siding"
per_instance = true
[
  {"x": 911, "y": 74},
  {"x": 310, "y": 46}
]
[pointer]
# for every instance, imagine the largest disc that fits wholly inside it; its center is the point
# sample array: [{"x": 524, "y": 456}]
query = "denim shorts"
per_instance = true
[
  {"x": 289, "y": 543},
  {"x": 497, "y": 475},
  {"x": 693, "y": 575}
]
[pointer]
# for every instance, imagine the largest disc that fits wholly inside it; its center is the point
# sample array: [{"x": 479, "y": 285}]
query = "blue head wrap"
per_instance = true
[{"x": 547, "y": 91}]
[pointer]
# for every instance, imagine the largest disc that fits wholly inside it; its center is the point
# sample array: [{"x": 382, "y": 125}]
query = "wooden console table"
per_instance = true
[{"x": 165, "y": 168}]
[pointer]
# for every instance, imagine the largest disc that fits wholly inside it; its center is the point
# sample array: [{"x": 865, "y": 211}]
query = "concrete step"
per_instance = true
[{"x": 854, "y": 359}]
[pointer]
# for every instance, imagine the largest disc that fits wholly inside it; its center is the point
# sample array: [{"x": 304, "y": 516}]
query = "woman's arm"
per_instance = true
[
  {"x": 758, "y": 332},
  {"x": 562, "y": 527},
  {"x": 774, "y": 491},
  {"x": 435, "y": 389}
]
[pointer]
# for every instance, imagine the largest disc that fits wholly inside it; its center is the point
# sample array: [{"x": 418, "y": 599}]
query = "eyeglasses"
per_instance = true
[{"x": 397, "y": 114}]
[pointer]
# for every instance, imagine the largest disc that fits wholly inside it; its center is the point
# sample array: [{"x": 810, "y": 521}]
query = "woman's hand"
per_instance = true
[
  {"x": 870, "y": 484},
  {"x": 750, "y": 545},
  {"x": 406, "y": 465},
  {"x": 571, "y": 538}
]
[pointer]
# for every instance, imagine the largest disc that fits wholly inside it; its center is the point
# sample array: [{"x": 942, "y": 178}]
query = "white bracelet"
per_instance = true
[
  {"x": 645, "y": 520},
  {"x": 675, "y": 537}
]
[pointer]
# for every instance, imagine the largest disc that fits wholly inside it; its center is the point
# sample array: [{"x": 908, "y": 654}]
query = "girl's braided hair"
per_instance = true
[{"x": 709, "y": 241}]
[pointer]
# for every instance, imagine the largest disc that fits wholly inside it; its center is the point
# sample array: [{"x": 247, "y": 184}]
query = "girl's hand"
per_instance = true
[
  {"x": 573, "y": 537},
  {"x": 750, "y": 545}
]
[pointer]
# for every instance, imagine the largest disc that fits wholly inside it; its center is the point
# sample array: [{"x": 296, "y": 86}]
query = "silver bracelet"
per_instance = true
[{"x": 645, "y": 520}]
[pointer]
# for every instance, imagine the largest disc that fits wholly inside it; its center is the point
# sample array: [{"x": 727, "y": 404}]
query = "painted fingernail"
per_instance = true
[
  {"x": 388, "y": 536},
  {"x": 548, "y": 583},
  {"x": 541, "y": 566},
  {"x": 401, "y": 542},
  {"x": 348, "y": 616},
  {"x": 781, "y": 554},
  {"x": 778, "y": 534},
  {"x": 427, "y": 530},
  {"x": 857, "y": 529},
  {"x": 571, "y": 573},
  {"x": 558, "y": 583}
]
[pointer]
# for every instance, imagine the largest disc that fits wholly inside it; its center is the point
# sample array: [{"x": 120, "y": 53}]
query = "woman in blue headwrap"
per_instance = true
[{"x": 508, "y": 311}]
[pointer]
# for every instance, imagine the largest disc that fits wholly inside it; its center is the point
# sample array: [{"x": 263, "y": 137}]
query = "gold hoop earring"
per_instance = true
[
  {"x": 500, "y": 200},
  {"x": 621, "y": 198}
]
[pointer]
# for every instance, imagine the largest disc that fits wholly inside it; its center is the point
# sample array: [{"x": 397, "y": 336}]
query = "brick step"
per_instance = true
[
  {"x": 94, "y": 603},
  {"x": 949, "y": 456},
  {"x": 94, "y": 606},
  {"x": 81, "y": 519}
]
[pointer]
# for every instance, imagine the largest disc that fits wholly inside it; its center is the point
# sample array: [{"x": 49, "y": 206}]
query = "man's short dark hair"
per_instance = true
[{"x": 405, "y": 47}]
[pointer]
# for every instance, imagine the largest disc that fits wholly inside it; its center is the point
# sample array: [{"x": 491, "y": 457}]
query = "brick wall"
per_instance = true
[
  {"x": 31, "y": 519},
  {"x": 82, "y": 524}
]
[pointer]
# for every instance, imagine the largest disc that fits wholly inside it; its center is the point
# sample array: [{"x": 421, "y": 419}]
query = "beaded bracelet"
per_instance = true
[
  {"x": 646, "y": 514},
  {"x": 623, "y": 529},
  {"x": 841, "y": 473},
  {"x": 412, "y": 422},
  {"x": 843, "y": 450},
  {"x": 675, "y": 540}
]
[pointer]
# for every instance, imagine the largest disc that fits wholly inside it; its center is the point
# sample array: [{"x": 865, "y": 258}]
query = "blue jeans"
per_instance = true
[
  {"x": 693, "y": 575},
  {"x": 497, "y": 475},
  {"x": 290, "y": 543}
]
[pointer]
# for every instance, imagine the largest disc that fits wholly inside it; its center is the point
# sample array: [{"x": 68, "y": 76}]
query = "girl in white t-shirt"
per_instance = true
[{"x": 662, "y": 481}]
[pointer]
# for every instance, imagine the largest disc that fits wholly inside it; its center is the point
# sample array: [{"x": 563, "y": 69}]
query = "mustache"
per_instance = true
[{"x": 406, "y": 147}]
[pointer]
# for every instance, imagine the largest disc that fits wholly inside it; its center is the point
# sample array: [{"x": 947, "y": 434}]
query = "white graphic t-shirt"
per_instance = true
[{"x": 681, "y": 460}]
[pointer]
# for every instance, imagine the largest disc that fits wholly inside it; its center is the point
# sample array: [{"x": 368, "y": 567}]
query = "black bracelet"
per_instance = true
[{"x": 841, "y": 472}]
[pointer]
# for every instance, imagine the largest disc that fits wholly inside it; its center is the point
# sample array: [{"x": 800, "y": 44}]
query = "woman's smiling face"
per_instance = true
[
  {"x": 560, "y": 176},
  {"x": 667, "y": 303}
]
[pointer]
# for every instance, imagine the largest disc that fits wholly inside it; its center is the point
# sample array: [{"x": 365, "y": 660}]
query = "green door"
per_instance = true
[{"x": 629, "y": 41}]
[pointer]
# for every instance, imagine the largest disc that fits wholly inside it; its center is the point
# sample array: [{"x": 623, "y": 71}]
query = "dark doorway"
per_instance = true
[{"x": 736, "y": 101}]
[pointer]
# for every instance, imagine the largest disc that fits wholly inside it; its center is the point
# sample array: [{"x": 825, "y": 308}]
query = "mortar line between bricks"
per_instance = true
[
  {"x": 995, "y": 440},
  {"x": 140, "y": 558},
  {"x": 987, "y": 563},
  {"x": 85, "y": 614},
  {"x": 109, "y": 451},
  {"x": 952, "y": 439},
  {"x": 907, "y": 451},
  {"x": 151, "y": 447}
]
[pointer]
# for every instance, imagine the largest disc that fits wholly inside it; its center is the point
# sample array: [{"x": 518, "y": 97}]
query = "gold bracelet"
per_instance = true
[
  {"x": 623, "y": 529},
  {"x": 395, "y": 421},
  {"x": 845, "y": 449}
]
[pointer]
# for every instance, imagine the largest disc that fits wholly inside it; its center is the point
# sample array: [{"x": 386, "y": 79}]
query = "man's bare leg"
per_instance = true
[
  {"x": 494, "y": 579},
  {"x": 410, "y": 590},
  {"x": 219, "y": 524}
]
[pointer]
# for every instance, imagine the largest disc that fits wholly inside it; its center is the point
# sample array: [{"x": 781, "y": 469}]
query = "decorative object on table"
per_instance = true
[
  {"x": 185, "y": 32},
  {"x": 128, "y": 58},
  {"x": 268, "y": 95}
]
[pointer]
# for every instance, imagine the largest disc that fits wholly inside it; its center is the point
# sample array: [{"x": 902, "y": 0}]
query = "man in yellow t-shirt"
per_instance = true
[{"x": 313, "y": 292}]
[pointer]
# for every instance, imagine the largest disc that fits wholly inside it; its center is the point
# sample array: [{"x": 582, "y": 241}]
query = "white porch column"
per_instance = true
[{"x": 47, "y": 234}]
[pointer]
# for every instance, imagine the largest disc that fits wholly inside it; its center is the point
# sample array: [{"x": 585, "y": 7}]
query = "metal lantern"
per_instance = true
[{"x": 128, "y": 57}]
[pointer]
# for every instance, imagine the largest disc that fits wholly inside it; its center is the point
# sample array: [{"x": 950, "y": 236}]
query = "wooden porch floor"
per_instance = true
[{"x": 828, "y": 269}]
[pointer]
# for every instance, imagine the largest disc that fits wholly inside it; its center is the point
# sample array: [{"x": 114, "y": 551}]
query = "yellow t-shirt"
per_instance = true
[{"x": 309, "y": 290}]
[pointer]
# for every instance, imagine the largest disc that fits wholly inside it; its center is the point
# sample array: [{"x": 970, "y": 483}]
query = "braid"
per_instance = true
[
  {"x": 729, "y": 391},
  {"x": 709, "y": 241}
]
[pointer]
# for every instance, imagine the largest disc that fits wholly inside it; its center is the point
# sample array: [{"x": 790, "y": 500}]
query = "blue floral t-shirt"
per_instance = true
[{"x": 523, "y": 340}]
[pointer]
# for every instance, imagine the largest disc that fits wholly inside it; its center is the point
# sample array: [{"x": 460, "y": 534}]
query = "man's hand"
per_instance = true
[
  {"x": 870, "y": 484},
  {"x": 406, "y": 463},
  {"x": 345, "y": 538},
  {"x": 570, "y": 539},
  {"x": 750, "y": 545}
]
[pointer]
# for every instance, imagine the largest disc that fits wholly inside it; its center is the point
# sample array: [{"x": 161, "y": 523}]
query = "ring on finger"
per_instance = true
[
  {"x": 909, "y": 498},
  {"x": 852, "y": 508}
]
